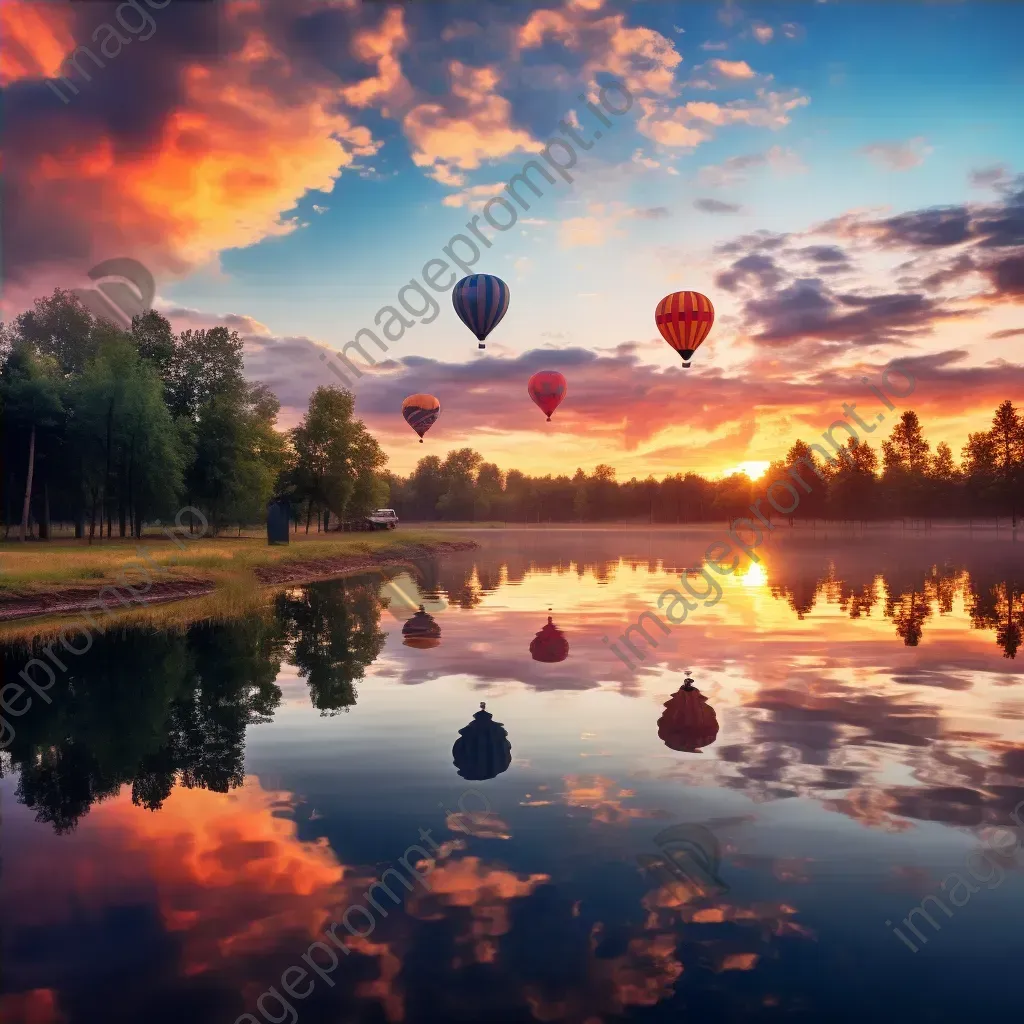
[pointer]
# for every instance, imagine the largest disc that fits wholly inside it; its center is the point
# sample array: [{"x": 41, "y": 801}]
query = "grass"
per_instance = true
[{"x": 41, "y": 567}]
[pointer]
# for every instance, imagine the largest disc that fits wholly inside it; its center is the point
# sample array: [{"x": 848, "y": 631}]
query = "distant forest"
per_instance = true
[
  {"x": 109, "y": 429},
  {"x": 911, "y": 481}
]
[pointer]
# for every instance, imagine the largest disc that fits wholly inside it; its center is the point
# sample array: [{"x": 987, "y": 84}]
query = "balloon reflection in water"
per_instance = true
[
  {"x": 482, "y": 750},
  {"x": 688, "y": 721},
  {"x": 421, "y": 631},
  {"x": 549, "y": 644}
]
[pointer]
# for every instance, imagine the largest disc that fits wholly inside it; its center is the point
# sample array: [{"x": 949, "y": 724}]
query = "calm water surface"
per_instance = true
[{"x": 196, "y": 807}]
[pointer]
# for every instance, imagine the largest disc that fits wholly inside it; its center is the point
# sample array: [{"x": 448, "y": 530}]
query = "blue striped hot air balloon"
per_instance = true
[{"x": 481, "y": 300}]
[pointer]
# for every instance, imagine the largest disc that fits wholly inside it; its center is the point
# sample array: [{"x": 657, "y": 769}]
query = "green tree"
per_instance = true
[
  {"x": 338, "y": 463},
  {"x": 30, "y": 388},
  {"x": 61, "y": 327}
]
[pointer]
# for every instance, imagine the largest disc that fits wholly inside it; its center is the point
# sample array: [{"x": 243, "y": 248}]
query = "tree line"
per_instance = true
[
  {"x": 110, "y": 428},
  {"x": 847, "y": 483}
]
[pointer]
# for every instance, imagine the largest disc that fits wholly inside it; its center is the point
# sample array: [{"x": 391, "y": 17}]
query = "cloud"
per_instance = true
[
  {"x": 155, "y": 154},
  {"x": 716, "y": 206},
  {"x": 733, "y": 68},
  {"x": 734, "y": 170},
  {"x": 898, "y": 156},
  {"x": 987, "y": 177},
  {"x": 643, "y": 58},
  {"x": 714, "y": 46},
  {"x": 763, "y": 33},
  {"x": 652, "y": 213},
  {"x": 475, "y": 196},
  {"x": 471, "y": 125},
  {"x": 1013, "y": 332}
]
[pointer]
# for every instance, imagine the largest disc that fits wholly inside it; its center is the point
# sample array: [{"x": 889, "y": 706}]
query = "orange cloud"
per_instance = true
[
  {"x": 733, "y": 68},
  {"x": 35, "y": 42},
  {"x": 189, "y": 188},
  {"x": 473, "y": 125},
  {"x": 381, "y": 45},
  {"x": 643, "y": 58}
]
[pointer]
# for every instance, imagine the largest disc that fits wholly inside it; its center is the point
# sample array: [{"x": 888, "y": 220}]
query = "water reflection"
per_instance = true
[
  {"x": 549, "y": 645},
  {"x": 688, "y": 722},
  {"x": 482, "y": 750},
  {"x": 421, "y": 631},
  {"x": 859, "y": 723}
]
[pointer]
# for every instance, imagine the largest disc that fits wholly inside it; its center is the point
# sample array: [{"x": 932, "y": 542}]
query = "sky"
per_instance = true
[{"x": 843, "y": 180}]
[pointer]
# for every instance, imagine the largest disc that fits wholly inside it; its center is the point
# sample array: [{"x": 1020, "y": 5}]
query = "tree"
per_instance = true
[
  {"x": 458, "y": 471},
  {"x": 155, "y": 342},
  {"x": 1007, "y": 436},
  {"x": 338, "y": 463},
  {"x": 61, "y": 327},
  {"x": 853, "y": 484},
  {"x": 31, "y": 392},
  {"x": 906, "y": 463},
  {"x": 131, "y": 454},
  {"x": 490, "y": 491}
]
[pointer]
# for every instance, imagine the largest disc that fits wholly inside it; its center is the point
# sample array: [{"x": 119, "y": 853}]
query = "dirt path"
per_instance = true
[{"x": 71, "y": 599}]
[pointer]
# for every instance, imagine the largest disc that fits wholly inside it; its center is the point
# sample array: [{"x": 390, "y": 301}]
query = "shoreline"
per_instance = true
[{"x": 76, "y": 597}]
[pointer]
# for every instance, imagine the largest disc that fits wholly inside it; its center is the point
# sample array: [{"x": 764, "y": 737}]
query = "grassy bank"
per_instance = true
[{"x": 43, "y": 579}]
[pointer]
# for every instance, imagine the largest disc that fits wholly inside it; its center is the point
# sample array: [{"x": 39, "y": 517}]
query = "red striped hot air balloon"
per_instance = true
[
  {"x": 685, "y": 319},
  {"x": 547, "y": 389}
]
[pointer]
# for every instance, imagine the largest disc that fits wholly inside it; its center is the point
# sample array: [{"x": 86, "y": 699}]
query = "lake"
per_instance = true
[{"x": 818, "y": 827}]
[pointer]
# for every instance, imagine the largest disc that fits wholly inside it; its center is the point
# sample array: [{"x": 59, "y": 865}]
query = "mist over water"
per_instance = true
[{"x": 196, "y": 806}]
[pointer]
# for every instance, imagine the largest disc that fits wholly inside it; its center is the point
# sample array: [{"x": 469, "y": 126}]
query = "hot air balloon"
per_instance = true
[
  {"x": 547, "y": 389},
  {"x": 420, "y": 411},
  {"x": 482, "y": 749},
  {"x": 685, "y": 320},
  {"x": 481, "y": 300},
  {"x": 688, "y": 721},
  {"x": 421, "y": 631},
  {"x": 549, "y": 645}
]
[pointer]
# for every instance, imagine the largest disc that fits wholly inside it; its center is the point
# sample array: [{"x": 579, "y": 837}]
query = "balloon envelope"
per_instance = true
[
  {"x": 547, "y": 389},
  {"x": 688, "y": 721},
  {"x": 420, "y": 412},
  {"x": 549, "y": 645},
  {"x": 482, "y": 749},
  {"x": 421, "y": 631},
  {"x": 685, "y": 319},
  {"x": 481, "y": 300}
]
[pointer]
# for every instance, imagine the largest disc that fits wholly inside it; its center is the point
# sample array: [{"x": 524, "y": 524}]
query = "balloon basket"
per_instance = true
[{"x": 481, "y": 345}]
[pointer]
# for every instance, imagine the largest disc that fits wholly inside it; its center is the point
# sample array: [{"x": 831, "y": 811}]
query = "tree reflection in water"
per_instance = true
[{"x": 158, "y": 708}]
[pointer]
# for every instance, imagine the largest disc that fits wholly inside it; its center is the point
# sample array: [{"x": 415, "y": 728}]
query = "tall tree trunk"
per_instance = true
[
  {"x": 92, "y": 519},
  {"x": 309, "y": 514},
  {"x": 28, "y": 480},
  {"x": 80, "y": 522}
]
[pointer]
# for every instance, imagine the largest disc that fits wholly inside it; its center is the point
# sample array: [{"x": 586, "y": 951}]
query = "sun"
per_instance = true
[{"x": 753, "y": 468}]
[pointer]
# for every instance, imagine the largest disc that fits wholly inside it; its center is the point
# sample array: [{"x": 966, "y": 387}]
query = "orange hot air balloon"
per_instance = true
[
  {"x": 688, "y": 721},
  {"x": 420, "y": 412},
  {"x": 549, "y": 645},
  {"x": 685, "y": 319},
  {"x": 547, "y": 389}
]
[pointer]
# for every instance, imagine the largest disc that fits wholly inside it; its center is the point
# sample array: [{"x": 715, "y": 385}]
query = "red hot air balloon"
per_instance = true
[
  {"x": 685, "y": 319},
  {"x": 688, "y": 721},
  {"x": 549, "y": 645},
  {"x": 420, "y": 412},
  {"x": 547, "y": 389}
]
